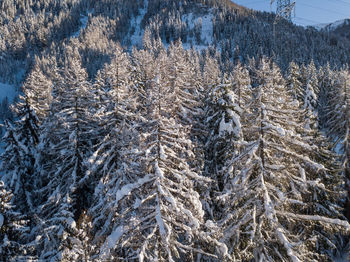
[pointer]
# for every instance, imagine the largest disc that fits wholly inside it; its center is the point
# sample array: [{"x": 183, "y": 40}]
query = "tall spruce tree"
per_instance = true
[
  {"x": 338, "y": 123},
  {"x": 13, "y": 228},
  {"x": 266, "y": 202},
  {"x": 157, "y": 214},
  {"x": 293, "y": 81},
  {"x": 224, "y": 122},
  {"x": 67, "y": 141}
]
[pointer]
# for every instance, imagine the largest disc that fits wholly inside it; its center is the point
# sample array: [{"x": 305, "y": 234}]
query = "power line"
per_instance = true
[
  {"x": 255, "y": 2},
  {"x": 340, "y": 1},
  {"x": 326, "y": 10},
  {"x": 308, "y": 20}
]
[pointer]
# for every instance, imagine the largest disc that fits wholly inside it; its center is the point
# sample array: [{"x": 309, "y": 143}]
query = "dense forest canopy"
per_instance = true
[{"x": 171, "y": 130}]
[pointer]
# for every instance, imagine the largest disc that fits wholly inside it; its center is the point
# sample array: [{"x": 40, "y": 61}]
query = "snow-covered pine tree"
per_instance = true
[
  {"x": 198, "y": 131},
  {"x": 18, "y": 159},
  {"x": 223, "y": 113},
  {"x": 18, "y": 162},
  {"x": 338, "y": 123},
  {"x": 241, "y": 83},
  {"x": 181, "y": 76},
  {"x": 13, "y": 229},
  {"x": 327, "y": 79},
  {"x": 67, "y": 141},
  {"x": 141, "y": 76},
  {"x": 182, "y": 82},
  {"x": 156, "y": 213},
  {"x": 266, "y": 201},
  {"x": 224, "y": 132},
  {"x": 37, "y": 88},
  {"x": 211, "y": 72},
  {"x": 117, "y": 115},
  {"x": 311, "y": 91},
  {"x": 293, "y": 81}
]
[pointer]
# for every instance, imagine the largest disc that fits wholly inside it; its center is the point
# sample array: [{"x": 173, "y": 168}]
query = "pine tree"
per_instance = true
[
  {"x": 327, "y": 81},
  {"x": 67, "y": 141},
  {"x": 224, "y": 112},
  {"x": 157, "y": 214},
  {"x": 211, "y": 71},
  {"x": 338, "y": 123},
  {"x": 117, "y": 115},
  {"x": 181, "y": 82},
  {"x": 37, "y": 89},
  {"x": 21, "y": 140},
  {"x": 311, "y": 97},
  {"x": 13, "y": 227},
  {"x": 17, "y": 165},
  {"x": 273, "y": 179},
  {"x": 293, "y": 81}
]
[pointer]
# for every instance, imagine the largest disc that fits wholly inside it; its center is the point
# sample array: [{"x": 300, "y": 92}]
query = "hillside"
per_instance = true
[
  {"x": 171, "y": 130},
  {"x": 339, "y": 28}
]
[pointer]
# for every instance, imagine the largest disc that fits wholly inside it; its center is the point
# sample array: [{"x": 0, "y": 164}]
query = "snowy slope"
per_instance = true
[
  {"x": 206, "y": 32},
  {"x": 332, "y": 26},
  {"x": 137, "y": 35},
  {"x": 206, "y": 20},
  {"x": 83, "y": 21}
]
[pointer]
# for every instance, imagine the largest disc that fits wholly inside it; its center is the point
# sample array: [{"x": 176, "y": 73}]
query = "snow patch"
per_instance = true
[
  {"x": 114, "y": 237},
  {"x": 71, "y": 222},
  {"x": 158, "y": 172},
  {"x": 136, "y": 37},
  {"x": 127, "y": 189},
  {"x": 225, "y": 127},
  {"x": 1, "y": 220},
  {"x": 233, "y": 126},
  {"x": 162, "y": 153},
  {"x": 83, "y": 21},
  {"x": 207, "y": 29},
  {"x": 206, "y": 32},
  {"x": 160, "y": 221}
]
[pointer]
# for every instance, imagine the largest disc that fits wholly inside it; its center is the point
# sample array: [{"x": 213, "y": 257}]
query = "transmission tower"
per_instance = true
[{"x": 284, "y": 9}]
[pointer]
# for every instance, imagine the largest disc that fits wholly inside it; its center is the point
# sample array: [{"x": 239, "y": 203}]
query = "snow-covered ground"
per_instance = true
[
  {"x": 206, "y": 33},
  {"x": 207, "y": 29},
  {"x": 136, "y": 37},
  {"x": 332, "y": 26},
  {"x": 83, "y": 21}
]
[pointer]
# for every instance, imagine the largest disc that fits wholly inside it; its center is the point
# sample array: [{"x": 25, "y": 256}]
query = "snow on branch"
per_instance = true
[{"x": 321, "y": 219}]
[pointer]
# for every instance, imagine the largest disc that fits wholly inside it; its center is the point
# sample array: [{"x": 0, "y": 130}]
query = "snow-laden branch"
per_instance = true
[
  {"x": 321, "y": 219},
  {"x": 127, "y": 189}
]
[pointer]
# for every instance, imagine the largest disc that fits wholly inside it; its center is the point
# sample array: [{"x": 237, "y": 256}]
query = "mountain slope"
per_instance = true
[{"x": 167, "y": 130}]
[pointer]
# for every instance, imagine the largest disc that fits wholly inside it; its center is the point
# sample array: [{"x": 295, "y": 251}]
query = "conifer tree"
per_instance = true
[
  {"x": 157, "y": 214},
  {"x": 293, "y": 81},
  {"x": 327, "y": 80},
  {"x": 338, "y": 123},
  {"x": 211, "y": 71},
  {"x": 311, "y": 91},
  {"x": 13, "y": 228},
  {"x": 37, "y": 89},
  {"x": 225, "y": 105},
  {"x": 67, "y": 141},
  {"x": 18, "y": 161},
  {"x": 273, "y": 180}
]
